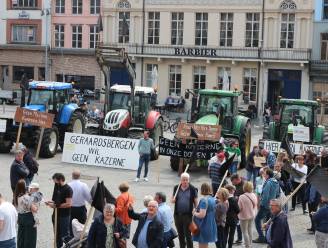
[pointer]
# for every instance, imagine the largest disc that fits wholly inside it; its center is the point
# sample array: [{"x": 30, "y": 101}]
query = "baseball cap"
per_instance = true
[{"x": 221, "y": 155}]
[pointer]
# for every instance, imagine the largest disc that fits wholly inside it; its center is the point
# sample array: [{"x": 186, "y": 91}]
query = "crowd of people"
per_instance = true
[{"x": 213, "y": 215}]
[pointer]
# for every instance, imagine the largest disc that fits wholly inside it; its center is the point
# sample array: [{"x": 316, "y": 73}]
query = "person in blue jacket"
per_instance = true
[{"x": 320, "y": 220}]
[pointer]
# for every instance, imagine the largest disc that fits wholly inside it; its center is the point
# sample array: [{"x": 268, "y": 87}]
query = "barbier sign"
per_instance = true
[
  {"x": 198, "y": 52},
  {"x": 23, "y": 15}
]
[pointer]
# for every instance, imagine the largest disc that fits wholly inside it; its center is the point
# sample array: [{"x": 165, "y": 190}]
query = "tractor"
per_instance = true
[
  {"x": 220, "y": 107},
  {"x": 54, "y": 98},
  {"x": 296, "y": 112}
]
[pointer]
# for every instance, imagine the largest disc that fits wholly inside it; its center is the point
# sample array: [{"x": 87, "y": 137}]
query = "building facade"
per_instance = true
[
  {"x": 260, "y": 47},
  {"x": 319, "y": 60},
  {"x": 75, "y": 34},
  {"x": 23, "y": 41}
]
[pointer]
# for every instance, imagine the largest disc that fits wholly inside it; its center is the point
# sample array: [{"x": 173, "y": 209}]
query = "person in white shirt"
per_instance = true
[
  {"x": 81, "y": 195},
  {"x": 296, "y": 181},
  {"x": 8, "y": 220}
]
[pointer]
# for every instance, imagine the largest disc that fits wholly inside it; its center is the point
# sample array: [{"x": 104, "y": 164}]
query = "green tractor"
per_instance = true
[
  {"x": 296, "y": 112},
  {"x": 220, "y": 107}
]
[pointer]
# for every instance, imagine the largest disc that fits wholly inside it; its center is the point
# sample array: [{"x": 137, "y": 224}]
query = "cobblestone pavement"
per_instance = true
[{"x": 161, "y": 178}]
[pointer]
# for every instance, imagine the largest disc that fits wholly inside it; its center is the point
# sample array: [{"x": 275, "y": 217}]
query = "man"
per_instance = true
[
  {"x": 62, "y": 201},
  {"x": 320, "y": 220},
  {"x": 31, "y": 164},
  {"x": 269, "y": 157},
  {"x": 81, "y": 195},
  {"x": 149, "y": 232},
  {"x": 165, "y": 216},
  {"x": 214, "y": 171},
  {"x": 278, "y": 234},
  {"x": 234, "y": 150},
  {"x": 8, "y": 220},
  {"x": 18, "y": 170},
  {"x": 184, "y": 203},
  {"x": 146, "y": 145},
  {"x": 270, "y": 190}
]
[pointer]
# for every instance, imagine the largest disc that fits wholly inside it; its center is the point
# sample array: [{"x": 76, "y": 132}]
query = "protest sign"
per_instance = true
[
  {"x": 301, "y": 134},
  {"x": 204, "y": 150},
  {"x": 259, "y": 161},
  {"x": 201, "y": 132},
  {"x": 35, "y": 118},
  {"x": 102, "y": 151}
]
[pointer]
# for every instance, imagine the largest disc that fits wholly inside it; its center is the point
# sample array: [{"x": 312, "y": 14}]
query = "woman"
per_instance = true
[
  {"x": 106, "y": 230},
  {"x": 122, "y": 206},
  {"x": 252, "y": 170},
  {"x": 221, "y": 215},
  {"x": 27, "y": 232},
  {"x": 247, "y": 203},
  {"x": 204, "y": 217},
  {"x": 301, "y": 167}
]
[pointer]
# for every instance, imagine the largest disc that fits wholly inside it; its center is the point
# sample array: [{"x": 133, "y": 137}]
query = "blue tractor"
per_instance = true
[{"x": 69, "y": 117}]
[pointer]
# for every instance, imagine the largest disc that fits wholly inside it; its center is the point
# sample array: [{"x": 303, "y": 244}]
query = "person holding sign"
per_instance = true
[{"x": 146, "y": 145}]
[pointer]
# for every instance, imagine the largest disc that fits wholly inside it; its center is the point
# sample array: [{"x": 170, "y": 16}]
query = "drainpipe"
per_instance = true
[
  {"x": 143, "y": 41},
  {"x": 259, "y": 66}
]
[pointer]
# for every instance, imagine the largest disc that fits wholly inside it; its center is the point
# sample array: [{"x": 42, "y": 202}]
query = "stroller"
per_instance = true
[{"x": 76, "y": 241}]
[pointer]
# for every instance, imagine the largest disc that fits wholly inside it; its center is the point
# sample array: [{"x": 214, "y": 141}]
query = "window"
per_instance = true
[
  {"x": 287, "y": 30},
  {"x": 201, "y": 29},
  {"x": 177, "y": 29},
  {"x": 41, "y": 74},
  {"x": 199, "y": 77},
  {"x": 317, "y": 95},
  {"x": 252, "y": 29},
  {"x": 224, "y": 74},
  {"x": 60, "y": 7},
  {"x": 250, "y": 83},
  {"x": 95, "y": 7},
  {"x": 153, "y": 27},
  {"x": 77, "y": 36},
  {"x": 59, "y": 35},
  {"x": 226, "y": 29},
  {"x": 80, "y": 82},
  {"x": 24, "y": 34},
  {"x": 25, "y": 3},
  {"x": 77, "y": 7},
  {"x": 94, "y": 35},
  {"x": 324, "y": 46},
  {"x": 149, "y": 72},
  {"x": 18, "y": 72},
  {"x": 175, "y": 80},
  {"x": 325, "y": 9},
  {"x": 124, "y": 27}
]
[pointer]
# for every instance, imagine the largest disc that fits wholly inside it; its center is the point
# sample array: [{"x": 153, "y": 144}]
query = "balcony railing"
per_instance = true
[
  {"x": 319, "y": 67},
  {"x": 207, "y": 52}
]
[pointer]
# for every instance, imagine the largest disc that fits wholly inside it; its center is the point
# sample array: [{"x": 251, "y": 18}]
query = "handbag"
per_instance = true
[{"x": 193, "y": 226}]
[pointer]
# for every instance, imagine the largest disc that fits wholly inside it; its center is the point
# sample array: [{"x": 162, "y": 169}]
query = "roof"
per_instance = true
[
  {"x": 127, "y": 89},
  {"x": 47, "y": 85},
  {"x": 299, "y": 102},
  {"x": 219, "y": 92}
]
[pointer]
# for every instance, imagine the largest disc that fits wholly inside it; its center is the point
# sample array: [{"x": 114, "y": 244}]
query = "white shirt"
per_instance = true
[
  {"x": 81, "y": 193},
  {"x": 304, "y": 170},
  {"x": 8, "y": 215}
]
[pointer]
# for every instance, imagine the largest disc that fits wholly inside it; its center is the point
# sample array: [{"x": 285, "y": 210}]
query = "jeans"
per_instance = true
[
  {"x": 263, "y": 213},
  {"x": 182, "y": 222},
  {"x": 239, "y": 233},
  {"x": 167, "y": 238},
  {"x": 233, "y": 167},
  {"x": 252, "y": 174},
  {"x": 321, "y": 239},
  {"x": 10, "y": 243},
  {"x": 246, "y": 228},
  {"x": 229, "y": 233},
  {"x": 299, "y": 195},
  {"x": 63, "y": 228},
  {"x": 221, "y": 234},
  {"x": 143, "y": 159}
]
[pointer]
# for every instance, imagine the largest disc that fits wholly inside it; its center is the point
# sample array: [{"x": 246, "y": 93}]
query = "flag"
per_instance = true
[
  {"x": 318, "y": 177},
  {"x": 286, "y": 146},
  {"x": 225, "y": 166},
  {"x": 100, "y": 24},
  {"x": 291, "y": 170},
  {"x": 101, "y": 195}
]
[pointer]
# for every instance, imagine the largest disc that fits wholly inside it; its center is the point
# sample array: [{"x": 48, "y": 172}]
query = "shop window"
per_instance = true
[
  {"x": 149, "y": 72},
  {"x": 18, "y": 72},
  {"x": 80, "y": 82}
]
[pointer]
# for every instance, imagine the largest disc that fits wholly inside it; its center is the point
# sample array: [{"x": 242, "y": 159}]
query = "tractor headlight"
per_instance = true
[{"x": 116, "y": 126}]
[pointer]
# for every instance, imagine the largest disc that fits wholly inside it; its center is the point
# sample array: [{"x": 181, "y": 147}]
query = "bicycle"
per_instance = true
[{"x": 171, "y": 124}]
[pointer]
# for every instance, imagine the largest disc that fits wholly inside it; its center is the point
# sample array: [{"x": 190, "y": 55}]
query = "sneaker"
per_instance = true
[
  {"x": 137, "y": 179},
  {"x": 292, "y": 209},
  {"x": 145, "y": 179},
  {"x": 238, "y": 241},
  {"x": 259, "y": 241},
  {"x": 305, "y": 212}
]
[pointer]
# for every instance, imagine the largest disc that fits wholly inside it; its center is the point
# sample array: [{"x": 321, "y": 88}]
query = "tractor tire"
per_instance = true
[
  {"x": 325, "y": 138},
  {"x": 174, "y": 163},
  {"x": 245, "y": 144},
  {"x": 155, "y": 134},
  {"x": 266, "y": 132},
  {"x": 49, "y": 143},
  {"x": 76, "y": 123},
  {"x": 5, "y": 145}
]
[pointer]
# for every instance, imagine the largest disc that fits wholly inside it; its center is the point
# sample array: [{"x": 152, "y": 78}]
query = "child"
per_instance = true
[{"x": 35, "y": 198}]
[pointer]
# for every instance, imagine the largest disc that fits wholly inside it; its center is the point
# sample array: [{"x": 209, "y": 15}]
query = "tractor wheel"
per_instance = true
[
  {"x": 76, "y": 123},
  {"x": 245, "y": 143},
  {"x": 174, "y": 163},
  {"x": 325, "y": 138},
  {"x": 266, "y": 132},
  {"x": 49, "y": 143},
  {"x": 5, "y": 145},
  {"x": 155, "y": 134}
]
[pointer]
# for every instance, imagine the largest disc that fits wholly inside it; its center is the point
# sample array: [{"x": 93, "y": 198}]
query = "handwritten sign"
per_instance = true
[
  {"x": 111, "y": 152},
  {"x": 259, "y": 161},
  {"x": 204, "y": 132},
  {"x": 301, "y": 134},
  {"x": 34, "y": 118},
  {"x": 3, "y": 126}
]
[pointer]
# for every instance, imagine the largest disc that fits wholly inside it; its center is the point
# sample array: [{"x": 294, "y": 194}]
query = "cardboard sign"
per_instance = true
[
  {"x": 34, "y": 118},
  {"x": 259, "y": 161},
  {"x": 173, "y": 148},
  {"x": 204, "y": 132},
  {"x": 301, "y": 134},
  {"x": 3, "y": 126},
  {"x": 111, "y": 152}
]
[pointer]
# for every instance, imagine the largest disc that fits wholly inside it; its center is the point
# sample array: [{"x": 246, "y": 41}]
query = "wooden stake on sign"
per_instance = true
[
  {"x": 55, "y": 229},
  {"x": 19, "y": 134},
  {"x": 176, "y": 192},
  {"x": 40, "y": 140},
  {"x": 180, "y": 170},
  {"x": 90, "y": 215},
  {"x": 224, "y": 177}
]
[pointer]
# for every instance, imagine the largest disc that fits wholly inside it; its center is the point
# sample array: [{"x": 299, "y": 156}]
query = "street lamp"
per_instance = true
[{"x": 46, "y": 12}]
